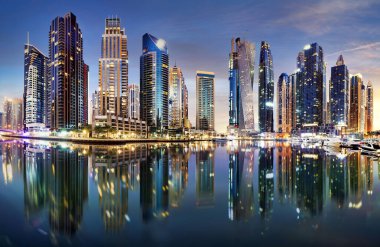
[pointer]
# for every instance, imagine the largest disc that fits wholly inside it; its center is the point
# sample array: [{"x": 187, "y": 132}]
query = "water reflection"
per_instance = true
[{"x": 260, "y": 179}]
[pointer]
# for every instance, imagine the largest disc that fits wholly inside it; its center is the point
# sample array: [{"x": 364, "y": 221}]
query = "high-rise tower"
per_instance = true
[
  {"x": 113, "y": 70},
  {"x": 339, "y": 93},
  {"x": 154, "y": 83},
  {"x": 242, "y": 114},
  {"x": 66, "y": 81},
  {"x": 205, "y": 101},
  {"x": 266, "y": 89},
  {"x": 36, "y": 95}
]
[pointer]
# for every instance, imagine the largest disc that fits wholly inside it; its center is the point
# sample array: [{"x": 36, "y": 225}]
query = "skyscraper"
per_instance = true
[
  {"x": 86, "y": 70},
  {"x": 369, "y": 109},
  {"x": 185, "y": 103},
  {"x": 296, "y": 81},
  {"x": 176, "y": 82},
  {"x": 154, "y": 83},
  {"x": 363, "y": 101},
  {"x": 241, "y": 101},
  {"x": 266, "y": 89},
  {"x": 339, "y": 93},
  {"x": 205, "y": 101},
  {"x": 355, "y": 103},
  {"x": 113, "y": 70},
  {"x": 66, "y": 82},
  {"x": 284, "y": 104},
  {"x": 313, "y": 86},
  {"x": 36, "y": 96},
  {"x": 13, "y": 114},
  {"x": 134, "y": 101},
  {"x": 301, "y": 61}
]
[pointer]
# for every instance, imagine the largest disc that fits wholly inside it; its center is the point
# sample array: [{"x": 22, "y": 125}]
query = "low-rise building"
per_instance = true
[{"x": 124, "y": 126}]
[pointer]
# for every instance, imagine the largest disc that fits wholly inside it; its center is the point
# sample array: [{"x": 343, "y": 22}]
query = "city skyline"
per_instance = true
[{"x": 360, "y": 49}]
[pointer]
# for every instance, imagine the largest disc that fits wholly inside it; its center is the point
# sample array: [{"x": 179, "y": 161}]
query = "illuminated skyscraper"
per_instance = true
[
  {"x": 355, "y": 103},
  {"x": 134, "y": 101},
  {"x": 176, "y": 82},
  {"x": 301, "y": 61},
  {"x": 13, "y": 114},
  {"x": 241, "y": 101},
  {"x": 266, "y": 89},
  {"x": 113, "y": 70},
  {"x": 369, "y": 109},
  {"x": 284, "y": 104},
  {"x": 339, "y": 93},
  {"x": 36, "y": 95},
  {"x": 363, "y": 112},
  {"x": 296, "y": 81},
  {"x": 66, "y": 82},
  {"x": 313, "y": 86},
  {"x": 205, "y": 101},
  {"x": 185, "y": 103},
  {"x": 154, "y": 83},
  {"x": 86, "y": 70}
]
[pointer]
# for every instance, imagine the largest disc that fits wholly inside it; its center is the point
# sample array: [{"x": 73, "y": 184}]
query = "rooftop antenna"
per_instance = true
[{"x": 27, "y": 38}]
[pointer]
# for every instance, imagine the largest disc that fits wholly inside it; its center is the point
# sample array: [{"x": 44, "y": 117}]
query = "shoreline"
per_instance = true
[{"x": 126, "y": 141}]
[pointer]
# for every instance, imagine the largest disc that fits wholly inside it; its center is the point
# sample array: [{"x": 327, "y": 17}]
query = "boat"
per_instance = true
[
  {"x": 370, "y": 147},
  {"x": 351, "y": 143},
  {"x": 332, "y": 142}
]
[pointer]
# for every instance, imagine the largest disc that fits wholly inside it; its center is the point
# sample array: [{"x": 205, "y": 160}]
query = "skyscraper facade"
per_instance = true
[
  {"x": 36, "y": 96},
  {"x": 205, "y": 101},
  {"x": 134, "y": 101},
  {"x": 113, "y": 70},
  {"x": 369, "y": 109},
  {"x": 339, "y": 93},
  {"x": 363, "y": 112},
  {"x": 313, "y": 86},
  {"x": 66, "y": 81},
  {"x": 266, "y": 89},
  {"x": 284, "y": 104},
  {"x": 355, "y": 103},
  {"x": 86, "y": 70},
  {"x": 154, "y": 83},
  {"x": 296, "y": 82},
  {"x": 13, "y": 114},
  {"x": 185, "y": 103},
  {"x": 241, "y": 100},
  {"x": 176, "y": 82}
]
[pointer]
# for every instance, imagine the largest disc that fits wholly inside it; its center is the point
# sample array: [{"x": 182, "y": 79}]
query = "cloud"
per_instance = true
[
  {"x": 322, "y": 17},
  {"x": 358, "y": 48}
]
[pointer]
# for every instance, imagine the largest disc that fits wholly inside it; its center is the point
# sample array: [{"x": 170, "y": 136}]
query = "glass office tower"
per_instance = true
[
  {"x": 241, "y": 100},
  {"x": 205, "y": 101},
  {"x": 266, "y": 89},
  {"x": 154, "y": 83}
]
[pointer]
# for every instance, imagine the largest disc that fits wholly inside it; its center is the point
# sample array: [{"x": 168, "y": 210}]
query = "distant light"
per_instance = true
[
  {"x": 269, "y": 104},
  {"x": 307, "y": 47}
]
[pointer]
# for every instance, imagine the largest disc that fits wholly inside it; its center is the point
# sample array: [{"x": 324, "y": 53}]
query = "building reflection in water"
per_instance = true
[
  {"x": 205, "y": 174},
  {"x": 179, "y": 156},
  {"x": 154, "y": 183},
  {"x": 240, "y": 196},
  {"x": 55, "y": 178},
  {"x": 115, "y": 173}
]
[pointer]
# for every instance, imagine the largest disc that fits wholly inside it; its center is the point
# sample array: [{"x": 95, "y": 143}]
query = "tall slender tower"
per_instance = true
[
  {"x": 339, "y": 93},
  {"x": 134, "y": 101},
  {"x": 369, "y": 109},
  {"x": 205, "y": 101},
  {"x": 176, "y": 82},
  {"x": 154, "y": 83},
  {"x": 313, "y": 86},
  {"x": 363, "y": 112},
  {"x": 113, "y": 70},
  {"x": 355, "y": 103},
  {"x": 266, "y": 89},
  {"x": 35, "y": 88},
  {"x": 284, "y": 104},
  {"x": 185, "y": 103},
  {"x": 241, "y": 100},
  {"x": 66, "y": 82}
]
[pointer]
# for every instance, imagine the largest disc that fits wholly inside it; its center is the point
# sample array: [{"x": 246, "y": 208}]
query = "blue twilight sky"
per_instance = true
[{"x": 198, "y": 34}]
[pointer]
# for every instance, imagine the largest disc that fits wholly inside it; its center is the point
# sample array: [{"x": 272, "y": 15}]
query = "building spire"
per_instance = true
[{"x": 340, "y": 60}]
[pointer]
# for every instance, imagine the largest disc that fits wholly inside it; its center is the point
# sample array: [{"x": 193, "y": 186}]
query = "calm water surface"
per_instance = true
[{"x": 197, "y": 194}]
